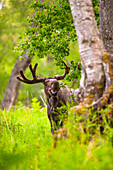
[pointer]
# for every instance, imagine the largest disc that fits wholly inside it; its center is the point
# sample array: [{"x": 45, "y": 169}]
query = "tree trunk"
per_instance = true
[
  {"x": 106, "y": 23},
  {"x": 11, "y": 93},
  {"x": 95, "y": 81}
]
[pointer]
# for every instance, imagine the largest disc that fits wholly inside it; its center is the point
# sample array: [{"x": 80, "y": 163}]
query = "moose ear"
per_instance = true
[{"x": 44, "y": 83}]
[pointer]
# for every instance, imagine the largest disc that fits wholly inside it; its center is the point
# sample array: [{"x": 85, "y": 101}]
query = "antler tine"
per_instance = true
[
  {"x": 23, "y": 78},
  {"x": 66, "y": 72},
  {"x": 36, "y": 79},
  {"x": 33, "y": 70},
  {"x": 22, "y": 75}
]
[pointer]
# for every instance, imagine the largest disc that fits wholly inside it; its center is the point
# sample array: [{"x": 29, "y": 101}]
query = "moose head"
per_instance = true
[{"x": 56, "y": 96}]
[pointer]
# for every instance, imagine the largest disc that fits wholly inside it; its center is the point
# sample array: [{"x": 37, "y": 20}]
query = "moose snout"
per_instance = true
[
  {"x": 54, "y": 88},
  {"x": 53, "y": 93}
]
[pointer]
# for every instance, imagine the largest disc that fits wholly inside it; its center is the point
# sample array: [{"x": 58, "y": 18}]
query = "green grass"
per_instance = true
[{"x": 26, "y": 142}]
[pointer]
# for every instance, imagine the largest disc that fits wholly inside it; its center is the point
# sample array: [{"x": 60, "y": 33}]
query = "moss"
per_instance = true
[
  {"x": 99, "y": 86},
  {"x": 106, "y": 57},
  {"x": 105, "y": 98},
  {"x": 81, "y": 110},
  {"x": 110, "y": 90},
  {"x": 110, "y": 73},
  {"x": 88, "y": 101},
  {"x": 108, "y": 61},
  {"x": 109, "y": 111},
  {"x": 91, "y": 95},
  {"x": 102, "y": 102}
]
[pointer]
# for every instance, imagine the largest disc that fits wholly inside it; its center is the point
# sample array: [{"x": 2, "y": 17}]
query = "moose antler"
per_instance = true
[
  {"x": 36, "y": 79},
  {"x": 66, "y": 72}
]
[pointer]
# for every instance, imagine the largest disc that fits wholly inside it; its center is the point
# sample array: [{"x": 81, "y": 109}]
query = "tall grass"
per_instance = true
[{"x": 26, "y": 142}]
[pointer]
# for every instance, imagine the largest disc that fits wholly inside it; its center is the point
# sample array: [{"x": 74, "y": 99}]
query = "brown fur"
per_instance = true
[{"x": 56, "y": 97}]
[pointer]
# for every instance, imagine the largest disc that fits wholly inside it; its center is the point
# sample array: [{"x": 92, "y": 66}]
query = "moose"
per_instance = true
[{"x": 56, "y": 95}]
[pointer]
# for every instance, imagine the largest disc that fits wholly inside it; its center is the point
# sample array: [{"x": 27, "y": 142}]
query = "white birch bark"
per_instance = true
[{"x": 91, "y": 48}]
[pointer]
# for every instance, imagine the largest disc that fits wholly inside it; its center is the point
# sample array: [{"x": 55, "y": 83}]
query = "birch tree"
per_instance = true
[{"x": 97, "y": 68}]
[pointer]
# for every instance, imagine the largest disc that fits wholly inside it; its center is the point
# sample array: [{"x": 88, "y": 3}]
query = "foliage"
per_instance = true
[
  {"x": 27, "y": 143},
  {"x": 47, "y": 68},
  {"x": 75, "y": 72},
  {"x": 50, "y": 31},
  {"x": 12, "y": 22},
  {"x": 96, "y": 11}
]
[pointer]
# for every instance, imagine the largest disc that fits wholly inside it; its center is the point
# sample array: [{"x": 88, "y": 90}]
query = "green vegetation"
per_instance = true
[
  {"x": 13, "y": 20},
  {"x": 51, "y": 31},
  {"x": 48, "y": 68},
  {"x": 27, "y": 143}
]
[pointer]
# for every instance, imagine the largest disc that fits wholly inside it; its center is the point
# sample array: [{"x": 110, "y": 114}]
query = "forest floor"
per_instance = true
[{"x": 26, "y": 142}]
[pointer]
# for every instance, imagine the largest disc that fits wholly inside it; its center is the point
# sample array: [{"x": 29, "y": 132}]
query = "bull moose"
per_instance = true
[{"x": 57, "y": 96}]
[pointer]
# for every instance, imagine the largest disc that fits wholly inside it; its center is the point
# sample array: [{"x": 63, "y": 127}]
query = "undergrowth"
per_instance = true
[{"x": 26, "y": 142}]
